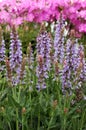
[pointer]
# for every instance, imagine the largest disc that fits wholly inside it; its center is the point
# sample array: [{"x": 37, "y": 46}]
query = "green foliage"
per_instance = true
[{"x": 23, "y": 108}]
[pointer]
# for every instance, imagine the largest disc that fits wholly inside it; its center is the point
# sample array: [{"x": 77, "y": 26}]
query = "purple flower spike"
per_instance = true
[
  {"x": 44, "y": 58},
  {"x": 15, "y": 56},
  {"x": 67, "y": 67},
  {"x": 59, "y": 41},
  {"x": 2, "y": 54},
  {"x": 44, "y": 49},
  {"x": 74, "y": 67},
  {"x": 81, "y": 66},
  {"x": 2, "y": 51},
  {"x": 40, "y": 73}
]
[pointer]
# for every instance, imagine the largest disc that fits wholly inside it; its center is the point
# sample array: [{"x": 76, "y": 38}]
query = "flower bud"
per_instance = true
[
  {"x": 23, "y": 110},
  {"x": 65, "y": 110},
  {"x": 55, "y": 103},
  {"x": 2, "y": 109},
  {"x": 40, "y": 59},
  {"x": 56, "y": 67}
]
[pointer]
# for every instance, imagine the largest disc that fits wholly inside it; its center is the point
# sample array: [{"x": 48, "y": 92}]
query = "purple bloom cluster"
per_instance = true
[
  {"x": 67, "y": 67},
  {"x": 81, "y": 71},
  {"x": 15, "y": 56},
  {"x": 59, "y": 41},
  {"x": 2, "y": 54},
  {"x": 74, "y": 67},
  {"x": 40, "y": 73},
  {"x": 43, "y": 50}
]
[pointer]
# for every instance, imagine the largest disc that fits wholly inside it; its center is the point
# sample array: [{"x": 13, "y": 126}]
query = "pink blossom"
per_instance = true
[{"x": 18, "y": 11}]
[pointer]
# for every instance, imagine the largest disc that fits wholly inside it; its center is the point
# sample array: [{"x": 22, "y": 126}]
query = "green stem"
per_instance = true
[
  {"x": 22, "y": 122},
  {"x": 39, "y": 120},
  {"x": 9, "y": 125},
  {"x": 17, "y": 128},
  {"x": 51, "y": 119},
  {"x": 64, "y": 124},
  {"x": 19, "y": 93},
  {"x": 82, "y": 120},
  {"x": 50, "y": 123},
  {"x": 39, "y": 112},
  {"x": 31, "y": 106},
  {"x": 47, "y": 88}
]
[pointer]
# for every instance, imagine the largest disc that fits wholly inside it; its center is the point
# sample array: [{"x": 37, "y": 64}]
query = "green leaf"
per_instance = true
[{"x": 13, "y": 102}]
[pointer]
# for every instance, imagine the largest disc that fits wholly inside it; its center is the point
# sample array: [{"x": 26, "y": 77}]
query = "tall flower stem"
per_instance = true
[
  {"x": 16, "y": 96},
  {"x": 59, "y": 40},
  {"x": 15, "y": 56},
  {"x": 22, "y": 121},
  {"x": 39, "y": 119},
  {"x": 2, "y": 53},
  {"x": 31, "y": 106},
  {"x": 51, "y": 119},
  {"x": 43, "y": 55},
  {"x": 17, "y": 127},
  {"x": 39, "y": 112}
]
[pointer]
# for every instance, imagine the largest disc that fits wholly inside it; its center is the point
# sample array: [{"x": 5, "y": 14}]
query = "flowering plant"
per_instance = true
[{"x": 43, "y": 87}]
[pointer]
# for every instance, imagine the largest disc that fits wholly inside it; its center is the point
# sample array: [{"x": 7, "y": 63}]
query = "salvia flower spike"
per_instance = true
[
  {"x": 2, "y": 51},
  {"x": 15, "y": 56},
  {"x": 40, "y": 73},
  {"x": 59, "y": 41},
  {"x": 44, "y": 49}
]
